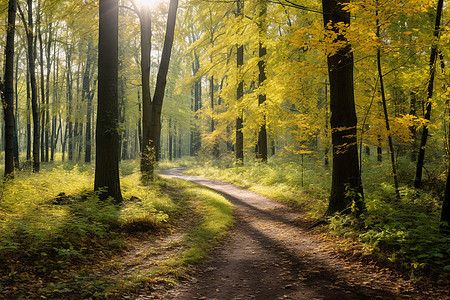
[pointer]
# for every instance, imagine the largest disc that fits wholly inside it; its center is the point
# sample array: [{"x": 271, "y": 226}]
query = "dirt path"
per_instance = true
[{"x": 270, "y": 255}]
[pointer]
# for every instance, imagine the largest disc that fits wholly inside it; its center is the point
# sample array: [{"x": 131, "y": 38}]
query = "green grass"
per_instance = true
[
  {"x": 55, "y": 233},
  {"x": 403, "y": 234},
  {"x": 281, "y": 179},
  {"x": 208, "y": 216},
  {"x": 216, "y": 217}
]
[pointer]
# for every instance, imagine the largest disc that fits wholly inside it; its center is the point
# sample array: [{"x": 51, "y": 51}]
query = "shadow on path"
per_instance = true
[{"x": 268, "y": 256}]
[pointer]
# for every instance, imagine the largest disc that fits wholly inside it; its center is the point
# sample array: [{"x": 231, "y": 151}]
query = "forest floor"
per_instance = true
[{"x": 271, "y": 254}]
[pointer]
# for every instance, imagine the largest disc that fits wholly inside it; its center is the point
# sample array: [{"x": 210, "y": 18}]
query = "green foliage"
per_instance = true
[
  {"x": 55, "y": 230},
  {"x": 282, "y": 179},
  {"x": 216, "y": 217}
]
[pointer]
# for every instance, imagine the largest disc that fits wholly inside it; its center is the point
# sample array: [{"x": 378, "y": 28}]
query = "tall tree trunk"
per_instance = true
[
  {"x": 146, "y": 37},
  {"x": 215, "y": 145},
  {"x": 386, "y": 118},
  {"x": 47, "y": 91},
  {"x": 197, "y": 105},
  {"x": 239, "y": 147},
  {"x": 28, "y": 24},
  {"x": 55, "y": 101},
  {"x": 161, "y": 81},
  {"x": 262, "y": 134},
  {"x": 139, "y": 124},
  {"x": 7, "y": 89},
  {"x": 413, "y": 130},
  {"x": 64, "y": 141},
  {"x": 445, "y": 212},
  {"x": 327, "y": 129},
  {"x": 107, "y": 181},
  {"x": 69, "y": 79},
  {"x": 170, "y": 140},
  {"x": 346, "y": 186},
  {"x": 88, "y": 136},
  {"x": 16, "y": 114},
  {"x": 432, "y": 66},
  {"x": 86, "y": 97},
  {"x": 28, "y": 112},
  {"x": 42, "y": 81}
]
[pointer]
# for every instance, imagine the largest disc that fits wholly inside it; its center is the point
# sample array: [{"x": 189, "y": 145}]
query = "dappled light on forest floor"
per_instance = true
[{"x": 270, "y": 254}]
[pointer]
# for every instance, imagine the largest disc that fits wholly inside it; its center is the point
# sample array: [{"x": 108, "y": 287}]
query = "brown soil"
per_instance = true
[{"x": 270, "y": 254}]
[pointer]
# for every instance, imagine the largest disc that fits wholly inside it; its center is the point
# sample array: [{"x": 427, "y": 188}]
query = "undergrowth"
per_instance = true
[
  {"x": 207, "y": 216},
  {"x": 55, "y": 232},
  {"x": 404, "y": 234}
]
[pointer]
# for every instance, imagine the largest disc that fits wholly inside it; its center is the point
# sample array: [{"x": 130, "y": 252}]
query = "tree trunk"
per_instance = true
[
  {"x": 86, "y": 96},
  {"x": 146, "y": 37},
  {"x": 195, "y": 130},
  {"x": 28, "y": 112},
  {"x": 445, "y": 213},
  {"x": 88, "y": 136},
  {"x": 161, "y": 81},
  {"x": 170, "y": 140},
  {"x": 139, "y": 125},
  {"x": 262, "y": 134},
  {"x": 346, "y": 187},
  {"x": 107, "y": 181},
  {"x": 215, "y": 142},
  {"x": 7, "y": 89},
  {"x": 386, "y": 118},
  {"x": 327, "y": 129},
  {"x": 55, "y": 101},
  {"x": 69, "y": 104},
  {"x": 32, "y": 70},
  {"x": 432, "y": 65},
  {"x": 47, "y": 92},
  {"x": 16, "y": 114},
  {"x": 42, "y": 82},
  {"x": 239, "y": 148}
]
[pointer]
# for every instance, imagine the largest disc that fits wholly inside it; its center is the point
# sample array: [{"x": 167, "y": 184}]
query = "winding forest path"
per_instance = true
[{"x": 269, "y": 254}]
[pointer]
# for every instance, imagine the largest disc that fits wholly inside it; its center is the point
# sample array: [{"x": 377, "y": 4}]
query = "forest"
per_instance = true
[{"x": 337, "y": 109}]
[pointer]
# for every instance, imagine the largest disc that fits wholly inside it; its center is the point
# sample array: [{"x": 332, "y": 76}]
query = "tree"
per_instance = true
[
  {"x": 262, "y": 134},
  {"x": 346, "y": 186},
  {"x": 107, "y": 180},
  {"x": 161, "y": 81},
  {"x": 432, "y": 66},
  {"x": 386, "y": 118},
  {"x": 31, "y": 50},
  {"x": 445, "y": 212},
  {"x": 239, "y": 147},
  {"x": 7, "y": 90},
  {"x": 151, "y": 109}
]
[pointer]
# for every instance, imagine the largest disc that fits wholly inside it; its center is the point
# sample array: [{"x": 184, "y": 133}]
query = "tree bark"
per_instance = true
[
  {"x": 146, "y": 37},
  {"x": 43, "y": 107},
  {"x": 427, "y": 116},
  {"x": 87, "y": 95},
  {"x": 239, "y": 147},
  {"x": 262, "y": 134},
  {"x": 215, "y": 142},
  {"x": 107, "y": 181},
  {"x": 32, "y": 72},
  {"x": 386, "y": 118},
  {"x": 69, "y": 104},
  {"x": 7, "y": 90},
  {"x": 47, "y": 92},
  {"x": 16, "y": 114},
  {"x": 161, "y": 81},
  {"x": 346, "y": 186},
  {"x": 445, "y": 213}
]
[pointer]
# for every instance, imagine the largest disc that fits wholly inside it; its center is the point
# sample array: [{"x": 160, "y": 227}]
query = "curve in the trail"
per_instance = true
[{"x": 270, "y": 255}]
